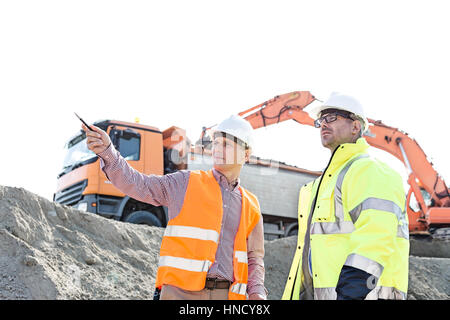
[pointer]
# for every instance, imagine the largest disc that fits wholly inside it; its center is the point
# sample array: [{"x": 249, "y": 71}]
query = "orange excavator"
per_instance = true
[{"x": 427, "y": 186}]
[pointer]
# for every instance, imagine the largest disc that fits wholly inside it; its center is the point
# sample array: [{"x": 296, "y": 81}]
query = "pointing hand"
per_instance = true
[{"x": 97, "y": 140}]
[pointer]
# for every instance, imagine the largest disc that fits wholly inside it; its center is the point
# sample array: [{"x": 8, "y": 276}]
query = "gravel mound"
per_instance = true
[{"x": 50, "y": 251}]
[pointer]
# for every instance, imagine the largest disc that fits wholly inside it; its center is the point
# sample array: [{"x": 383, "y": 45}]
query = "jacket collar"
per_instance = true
[{"x": 345, "y": 152}]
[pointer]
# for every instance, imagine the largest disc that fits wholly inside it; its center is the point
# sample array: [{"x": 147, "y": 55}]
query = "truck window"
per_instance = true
[
  {"x": 77, "y": 151},
  {"x": 129, "y": 147}
]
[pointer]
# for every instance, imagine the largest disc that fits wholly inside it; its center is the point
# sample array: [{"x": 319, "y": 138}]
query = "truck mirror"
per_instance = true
[{"x": 114, "y": 134}]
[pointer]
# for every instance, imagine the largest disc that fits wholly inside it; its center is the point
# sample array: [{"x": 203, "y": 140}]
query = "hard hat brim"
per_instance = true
[
  {"x": 230, "y": 134},
  {"x": 315, "y": 113}
]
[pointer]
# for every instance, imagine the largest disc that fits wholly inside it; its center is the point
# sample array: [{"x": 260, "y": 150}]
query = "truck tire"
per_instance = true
[
  {"x": 291, "y": 230},
  {"x": 143, "y": 217}
]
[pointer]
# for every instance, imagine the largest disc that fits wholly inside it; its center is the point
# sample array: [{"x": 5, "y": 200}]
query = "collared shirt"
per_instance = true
[{"x": 169, "y": 190}]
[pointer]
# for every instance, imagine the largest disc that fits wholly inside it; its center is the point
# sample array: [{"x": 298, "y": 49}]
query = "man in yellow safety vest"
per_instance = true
[{"x": 353, "y": 239}]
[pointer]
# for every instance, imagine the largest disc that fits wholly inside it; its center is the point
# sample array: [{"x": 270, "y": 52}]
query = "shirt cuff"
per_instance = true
[
  {"x": 107, "y": 155},
  {"x": 258, "y": 288}
]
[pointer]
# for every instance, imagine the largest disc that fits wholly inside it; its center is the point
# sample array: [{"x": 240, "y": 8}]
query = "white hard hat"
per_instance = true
[
  {"x": 341, "y": 102},
  {"x": 237, "y": 127}
]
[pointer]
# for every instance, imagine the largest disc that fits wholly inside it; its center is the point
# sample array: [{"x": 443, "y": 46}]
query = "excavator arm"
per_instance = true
[
  {"x": 421, "y": 174},
  {"x": 281, "y": 108},
  {"x": 423, "y": 179},
  {"x": 407, "y": 150}
]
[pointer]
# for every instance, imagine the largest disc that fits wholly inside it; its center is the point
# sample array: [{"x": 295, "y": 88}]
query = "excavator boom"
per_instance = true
[
  {"x": 407, "y": 150},
  {"x": 281, "y": 108}
]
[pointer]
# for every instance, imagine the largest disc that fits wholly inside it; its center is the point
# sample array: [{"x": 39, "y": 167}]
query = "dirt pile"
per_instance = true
[{"x": 50, "y": 251}]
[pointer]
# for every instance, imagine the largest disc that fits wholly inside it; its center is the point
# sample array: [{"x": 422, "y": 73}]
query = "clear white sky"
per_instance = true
[{"x": 193, "y": 63}]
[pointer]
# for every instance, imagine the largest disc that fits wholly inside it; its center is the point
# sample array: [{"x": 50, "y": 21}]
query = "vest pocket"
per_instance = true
[{"x": 324, "y": 209}]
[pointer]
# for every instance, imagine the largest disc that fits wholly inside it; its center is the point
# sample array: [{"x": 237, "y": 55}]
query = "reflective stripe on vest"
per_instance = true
[
  {"x": 185, "y": 264},
  {"x": 338, "y": 207},
  {"x": 241, "y": 256},
  {"x": 239, "y": 288},
  {"x": 384, "y": 205},
  {"x": 365, "y": 264},
  {"x": 191, "y": 232},
  {"x": 387, "y": 293},
  {"x": 332, "y": 227}
]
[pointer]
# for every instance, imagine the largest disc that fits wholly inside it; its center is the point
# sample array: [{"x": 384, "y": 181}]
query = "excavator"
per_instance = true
[{"x": 432, "y": 216}]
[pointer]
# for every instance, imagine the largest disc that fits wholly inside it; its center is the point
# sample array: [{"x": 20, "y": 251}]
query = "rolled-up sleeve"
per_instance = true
[{"x": 255, "y": 253}]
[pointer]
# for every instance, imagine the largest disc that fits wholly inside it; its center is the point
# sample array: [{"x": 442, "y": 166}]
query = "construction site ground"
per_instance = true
[{"x": 51, "y": 251}]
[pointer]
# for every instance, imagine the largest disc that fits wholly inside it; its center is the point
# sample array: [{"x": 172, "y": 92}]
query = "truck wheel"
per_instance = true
[
  {"x": 293, "y": 232},
  {"x": 143, "y": 217}
]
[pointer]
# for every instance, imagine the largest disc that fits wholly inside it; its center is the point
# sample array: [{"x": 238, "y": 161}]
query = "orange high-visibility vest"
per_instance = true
[{"x": 189, "y": 245}]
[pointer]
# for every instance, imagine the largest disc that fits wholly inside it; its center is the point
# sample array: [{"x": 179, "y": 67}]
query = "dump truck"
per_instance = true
[{"x": 82, "y": 184}]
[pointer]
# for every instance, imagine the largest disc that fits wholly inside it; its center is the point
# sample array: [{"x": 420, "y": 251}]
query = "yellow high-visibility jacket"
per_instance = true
[{"x": 358, "y": 220}]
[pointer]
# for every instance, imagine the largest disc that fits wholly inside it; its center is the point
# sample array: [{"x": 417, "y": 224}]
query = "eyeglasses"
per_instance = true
[{"x": 330, "y": 117}]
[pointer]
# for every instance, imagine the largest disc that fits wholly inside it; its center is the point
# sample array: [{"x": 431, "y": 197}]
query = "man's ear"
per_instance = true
[
  {"x": 356, "y": 127},
  {"x": 248, "y": 153}
]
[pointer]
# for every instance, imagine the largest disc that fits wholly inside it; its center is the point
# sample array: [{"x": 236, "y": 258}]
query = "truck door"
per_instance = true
[{"x": 128, "y": 142}]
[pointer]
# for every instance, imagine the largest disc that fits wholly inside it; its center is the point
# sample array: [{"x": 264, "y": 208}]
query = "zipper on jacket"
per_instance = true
[
  {"x": 326, "y": 168},
  {"x": 313, "y": 205}
]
